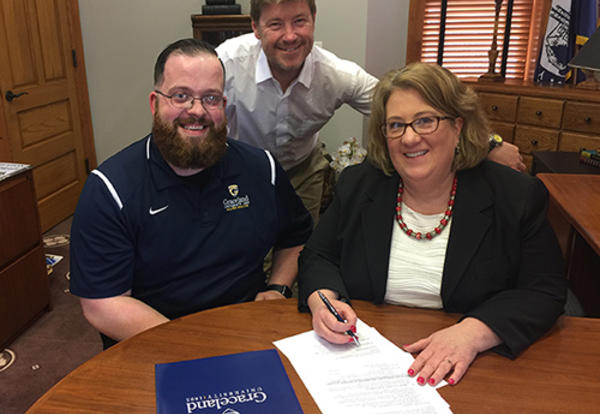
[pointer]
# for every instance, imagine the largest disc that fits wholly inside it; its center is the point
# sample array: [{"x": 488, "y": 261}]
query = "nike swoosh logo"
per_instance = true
[{"x": 158, "y": 210}]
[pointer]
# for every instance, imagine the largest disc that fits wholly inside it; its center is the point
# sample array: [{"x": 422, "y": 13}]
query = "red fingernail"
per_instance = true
[
  {"x": 451, "y": 381},
  {"x": 350, "y": 339},
  {"x": 411, "y": 372},
  {"x": 421, "y": 380},
  {"x": 431, "y": 381},
  {"x": 353, "y": 328}
]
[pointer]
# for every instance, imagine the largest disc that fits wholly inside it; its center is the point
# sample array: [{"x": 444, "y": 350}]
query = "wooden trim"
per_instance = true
[
  {"x": 5, "y": 150},
  {"x": 546, "y": 5},
  {"x": 83, "y": 97},
  {"x": 5, "y": 147},
  {"x": 537, "y": 30},
  {"x": 414, "y": 39},
  {"x": 518, "y": 87}
]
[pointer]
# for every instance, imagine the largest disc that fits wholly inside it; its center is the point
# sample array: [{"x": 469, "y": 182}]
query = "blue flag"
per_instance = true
[
  {"x": 557, "y": 47},
  {"x": 584, "y": 25},
  {"x": 584, "y": 20}
]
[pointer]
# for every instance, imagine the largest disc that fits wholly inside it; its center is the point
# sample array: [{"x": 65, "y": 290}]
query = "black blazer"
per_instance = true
[{"x": 503, "y": 264}]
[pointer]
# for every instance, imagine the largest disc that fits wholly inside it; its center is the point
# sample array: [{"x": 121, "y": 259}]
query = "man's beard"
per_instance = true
[{"x": 189, "y": 152}]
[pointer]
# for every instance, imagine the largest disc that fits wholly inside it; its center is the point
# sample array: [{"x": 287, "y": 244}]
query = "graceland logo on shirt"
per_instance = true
[
  {"x": 233, "y": 190},
  {"x": 236, "y": 203}
]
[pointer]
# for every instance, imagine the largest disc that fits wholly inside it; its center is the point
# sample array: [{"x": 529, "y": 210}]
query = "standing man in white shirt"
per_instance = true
[{"x": 281, "y": 90}]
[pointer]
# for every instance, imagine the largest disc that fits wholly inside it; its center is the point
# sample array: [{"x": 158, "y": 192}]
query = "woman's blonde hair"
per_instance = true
[{"x": 441, "y": 89}]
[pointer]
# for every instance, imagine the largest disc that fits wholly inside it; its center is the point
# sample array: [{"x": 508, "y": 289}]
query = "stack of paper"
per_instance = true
[
  {"x": 367, "y": 379},
  {"x": 8, "y": 169}
]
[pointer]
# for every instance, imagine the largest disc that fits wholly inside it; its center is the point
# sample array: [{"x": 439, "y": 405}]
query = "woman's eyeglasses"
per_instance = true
[{"x": 422, "y": 126}]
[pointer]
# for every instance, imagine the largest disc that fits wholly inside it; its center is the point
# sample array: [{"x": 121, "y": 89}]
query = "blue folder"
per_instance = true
[{"x": 249, "y": 382}]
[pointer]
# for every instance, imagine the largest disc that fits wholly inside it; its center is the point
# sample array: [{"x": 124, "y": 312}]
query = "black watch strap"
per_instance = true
[
  {"x": 283, "y": 289},
  {"x": 495, "y": 142}
]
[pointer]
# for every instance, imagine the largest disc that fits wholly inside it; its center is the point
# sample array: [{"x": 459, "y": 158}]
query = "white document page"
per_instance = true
[{"x": 366, "y": 379}]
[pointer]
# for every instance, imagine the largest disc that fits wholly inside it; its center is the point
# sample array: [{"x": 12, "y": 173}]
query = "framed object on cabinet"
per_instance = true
[{"x": 215, "y": 29}]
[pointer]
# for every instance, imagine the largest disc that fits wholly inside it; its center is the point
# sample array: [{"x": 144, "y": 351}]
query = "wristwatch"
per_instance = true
[
  {"x": 495, "y": 141},
  {"x": 283, "y": 289}
]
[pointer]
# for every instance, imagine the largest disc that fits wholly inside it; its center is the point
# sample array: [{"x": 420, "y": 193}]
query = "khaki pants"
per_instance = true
[{"x": 308, "y": 178}]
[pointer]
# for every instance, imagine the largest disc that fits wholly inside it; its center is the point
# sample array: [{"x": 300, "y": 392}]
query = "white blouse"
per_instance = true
[{"x": 416, "y": 266}]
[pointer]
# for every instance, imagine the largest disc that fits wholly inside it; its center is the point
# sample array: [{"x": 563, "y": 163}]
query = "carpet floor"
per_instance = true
[{"x": 54, "y": 345}]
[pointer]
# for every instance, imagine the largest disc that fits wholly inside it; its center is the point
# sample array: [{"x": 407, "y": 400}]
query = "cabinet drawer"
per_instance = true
[
  {"x": 24, "y": 295},
  {"x": 542, "y": 112},
  {"x": 582, "y": 117},
  {"x": 19, "y": 223},
  {"x": 499, "y": 107},
  {"x": 575, "y": 142},
  {"x": 530, "y": 139},
  {"x": 505, "y": 130}
]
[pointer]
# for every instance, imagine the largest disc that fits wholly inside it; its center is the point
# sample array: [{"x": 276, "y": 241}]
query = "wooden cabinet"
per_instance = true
[
  {"x": 541, "y": 118},
  {"x": 500, "y": 107},
  {"x": 215, "y": 29},
  {"x": 24, "y": 289},
  {"x": 582, "y": 117}
]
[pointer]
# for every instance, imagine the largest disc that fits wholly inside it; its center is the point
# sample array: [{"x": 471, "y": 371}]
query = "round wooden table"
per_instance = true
[{"x": 560, "y": 373}]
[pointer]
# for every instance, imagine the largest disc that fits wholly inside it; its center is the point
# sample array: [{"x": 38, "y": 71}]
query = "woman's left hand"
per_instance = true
[{"x": 450, "y": 351}]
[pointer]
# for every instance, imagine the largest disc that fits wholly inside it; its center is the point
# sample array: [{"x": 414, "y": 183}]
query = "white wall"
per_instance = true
[
  {"x": 387, "y": 23},
  {"x": 122, "y": 39},
  {"x": 387, "y": 26},
  {"x": 371, "y": 33},
  {"x": 341, "y": 26}
]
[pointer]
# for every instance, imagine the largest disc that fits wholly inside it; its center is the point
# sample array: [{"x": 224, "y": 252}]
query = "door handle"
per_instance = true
[{"x": 10, "y": 95}]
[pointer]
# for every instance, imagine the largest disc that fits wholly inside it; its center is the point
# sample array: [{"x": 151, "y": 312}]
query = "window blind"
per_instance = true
[{"x": 469, "y": 31}]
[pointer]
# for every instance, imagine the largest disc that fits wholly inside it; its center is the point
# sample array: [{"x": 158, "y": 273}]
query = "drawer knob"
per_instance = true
[
  {"x": 494, "y": 108},
  {"x": 587, "y": 119},
  {"x": 538, "y": 113},
  {"x": 534, "y": 142}
]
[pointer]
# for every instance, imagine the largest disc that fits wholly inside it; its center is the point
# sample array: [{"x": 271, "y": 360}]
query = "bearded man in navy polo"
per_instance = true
[{"x": 181, "y": 220}]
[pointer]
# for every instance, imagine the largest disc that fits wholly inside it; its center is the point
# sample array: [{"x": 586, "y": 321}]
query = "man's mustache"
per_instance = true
[{"x": 194, "y": 120}]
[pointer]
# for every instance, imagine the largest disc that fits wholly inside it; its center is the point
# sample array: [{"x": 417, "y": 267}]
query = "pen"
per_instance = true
[{"x": 337, "y": 316}]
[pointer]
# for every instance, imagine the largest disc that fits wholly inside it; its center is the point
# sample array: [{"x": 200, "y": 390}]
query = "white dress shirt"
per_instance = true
[{"x": 287, "y": 124}]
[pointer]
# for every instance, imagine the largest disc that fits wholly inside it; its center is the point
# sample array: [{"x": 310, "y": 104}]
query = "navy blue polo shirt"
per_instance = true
[{"x": 182, "y": 245}]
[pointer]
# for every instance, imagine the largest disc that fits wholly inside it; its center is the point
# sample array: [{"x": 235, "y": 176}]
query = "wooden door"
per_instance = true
[{"x": 42, "y": 125}]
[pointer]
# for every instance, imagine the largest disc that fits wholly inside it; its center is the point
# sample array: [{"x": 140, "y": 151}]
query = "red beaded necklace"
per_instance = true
[{"x": 443, "y": 222}]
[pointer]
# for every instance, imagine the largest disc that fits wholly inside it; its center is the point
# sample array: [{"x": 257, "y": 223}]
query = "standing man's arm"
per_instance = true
[
  {"x": 285, "y": 269},
  {"x": 120, "y": 317},
  {"x": 508, "y": 154},
  {"x": 363, "y": 86}
]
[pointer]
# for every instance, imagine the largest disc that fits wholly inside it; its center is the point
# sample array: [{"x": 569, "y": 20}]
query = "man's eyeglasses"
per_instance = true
[
  {"x": 422, "y": 126},
  {"x": 184, "y": 101}
]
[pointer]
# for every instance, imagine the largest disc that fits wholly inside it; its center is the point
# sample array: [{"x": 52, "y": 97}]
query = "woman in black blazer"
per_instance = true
[{"x": 427, "y": 222}]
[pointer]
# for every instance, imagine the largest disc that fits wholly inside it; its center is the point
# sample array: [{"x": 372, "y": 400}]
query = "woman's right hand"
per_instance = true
[{"x": 325, "y": 324}]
